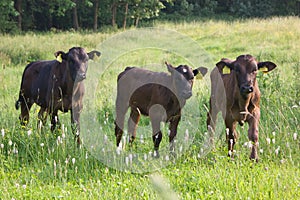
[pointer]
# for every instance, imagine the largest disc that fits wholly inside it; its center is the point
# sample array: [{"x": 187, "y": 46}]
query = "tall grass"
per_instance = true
[{"x": 36, "y": 164}]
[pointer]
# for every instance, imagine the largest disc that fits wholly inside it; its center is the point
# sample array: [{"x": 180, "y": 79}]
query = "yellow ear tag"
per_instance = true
[
  {"x": 226, "y": 70},
  {"x": 264, "y": 69},
  {"x": 59, "y": 58}
]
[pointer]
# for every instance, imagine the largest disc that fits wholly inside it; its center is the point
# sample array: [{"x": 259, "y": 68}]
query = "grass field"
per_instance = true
[{"x": 35, "y": 165}]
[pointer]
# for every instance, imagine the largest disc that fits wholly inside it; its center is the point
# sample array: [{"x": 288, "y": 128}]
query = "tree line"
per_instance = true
[{"x": 44, "y": 15}]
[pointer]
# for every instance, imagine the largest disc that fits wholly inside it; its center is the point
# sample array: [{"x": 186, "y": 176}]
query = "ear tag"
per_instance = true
[
  {"x": 226, "y": 70},
  {"x": 264, "y": 69},
  {"x": 59, "y": 58}
]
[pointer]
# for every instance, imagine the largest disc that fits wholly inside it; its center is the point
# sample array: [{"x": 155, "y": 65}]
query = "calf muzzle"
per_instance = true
[
  {"x": 246, "y": 89},
  {"x": 81, "y": 76}
]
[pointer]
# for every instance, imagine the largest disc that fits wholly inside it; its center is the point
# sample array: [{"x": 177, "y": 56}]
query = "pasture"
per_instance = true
[{"x": 38, "y": 164}]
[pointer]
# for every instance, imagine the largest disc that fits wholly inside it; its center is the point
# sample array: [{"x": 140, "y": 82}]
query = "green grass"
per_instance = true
[{"x": 35, "y": 165}]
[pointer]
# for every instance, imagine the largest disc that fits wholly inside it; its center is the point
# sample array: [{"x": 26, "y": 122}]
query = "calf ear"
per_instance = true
[
  {"x": 170, "y": 67},
  {"x": 60, "y": 56},
  {"x": 224, "y": 66},
  {"x": 92, "y": 54},
  {"x": 200, "y": 72},
  {"x": 265, "y": 67}
]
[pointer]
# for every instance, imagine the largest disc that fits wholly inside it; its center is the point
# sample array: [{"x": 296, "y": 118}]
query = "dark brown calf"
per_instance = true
[
  {"x": 235, "y": 92},
  {"x": 55, "y": 85},
  {"x": 159, "y": 95}
]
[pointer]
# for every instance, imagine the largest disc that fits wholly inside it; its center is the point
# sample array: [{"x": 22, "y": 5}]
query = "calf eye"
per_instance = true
[{"x": 254, "y": 71}]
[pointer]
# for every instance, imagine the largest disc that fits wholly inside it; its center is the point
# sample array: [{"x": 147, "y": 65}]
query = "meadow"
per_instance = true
[{"x": 38, "y": 164}]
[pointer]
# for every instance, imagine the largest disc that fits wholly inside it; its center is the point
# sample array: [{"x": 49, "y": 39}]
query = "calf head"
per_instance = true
[
  {"x": 183, "y": 77},
  {"x": 245, "y": 68},
  {"x": 77, "y": 61}
]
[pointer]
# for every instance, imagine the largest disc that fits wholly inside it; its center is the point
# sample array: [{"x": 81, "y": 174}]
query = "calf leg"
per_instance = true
[
  {"x": 156, "y": 114},
  {"x": 173, "y": 132},
  {"x": 211, "y": 116},
  {"x": 132, "y": 123},
  {"x": 119, "y": 122},
  {"x": 253, "y": 134},
  {"x": 75, "y": 120},
  {"x": 156, "y": 134},
  {"x": 211, "y": 120},
  {"x": 54, "y": 120},
  {"x": 25, "y": 108},
  {"x": 231, "y": 136},
  {"x": 42, "y": 117}
]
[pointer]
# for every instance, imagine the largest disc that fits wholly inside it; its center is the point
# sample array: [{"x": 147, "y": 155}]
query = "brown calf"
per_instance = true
[
  {"x": 159, "y": 95},
  {"x": 55, "y": 85},
  {"x": 235, "y": 92}
]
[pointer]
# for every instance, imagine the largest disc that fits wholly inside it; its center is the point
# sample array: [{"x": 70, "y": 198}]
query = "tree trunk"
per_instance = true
[
  {"x": 114, "y": 13},
  {"x": 125, "y": 16},
  {"x": 136, "y": 23},
  {"x": 75, "y": 16},
  {"x": 18, "y": 7},
  {"x": 96, "y": 8}
]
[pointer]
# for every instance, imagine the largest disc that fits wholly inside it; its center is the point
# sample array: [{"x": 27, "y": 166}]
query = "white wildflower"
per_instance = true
[
  {"x": 15, "y": 150},
  {"x": 167, "y": 158},
  {"x": 142, "y": 139},
  {"x": 277, "y": 150},
  {"x": 73, "y": 160},
  {"x": 295, "y": 136},
  {"x": 130, "y": 158},
  {"x": 2, "y": 146},
  {"x": 186, "y": 137},
  {"x": 273, "y": 140},
  {"x": 126, "y": 160},
  {"x": 268, "y": 140},
  {"x": 58, "y": 141},
  {"x": 105, "y": 139},
  {"x": 24, "y": 187},
  {"x": 2, "y": 132},
  {"x": 42, "y": 144},
  {"x": 29, "y": 132},
  {"x": 10, "y": 142},
  {"x": 288, "y": 145},
  {"x": 63, "y": 129},
  {"x": 261, "y": 151}
]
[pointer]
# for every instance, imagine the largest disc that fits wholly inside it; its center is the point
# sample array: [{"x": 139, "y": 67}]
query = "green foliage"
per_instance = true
[
  {"x": 7, "y": 11},
  {"x": 45, "y": 15}
]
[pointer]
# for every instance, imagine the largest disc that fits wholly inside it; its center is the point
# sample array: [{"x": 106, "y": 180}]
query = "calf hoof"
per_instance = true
[
  {"x": 156, "y": 154},
  {"x": 242, "y": 122},
  {"x": 254, "y": 159}
]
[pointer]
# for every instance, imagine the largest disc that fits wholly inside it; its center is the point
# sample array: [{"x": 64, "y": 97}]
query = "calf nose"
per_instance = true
[
  {"x": 82, "y": 76},
  {"x": 246, "y": 89}
]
